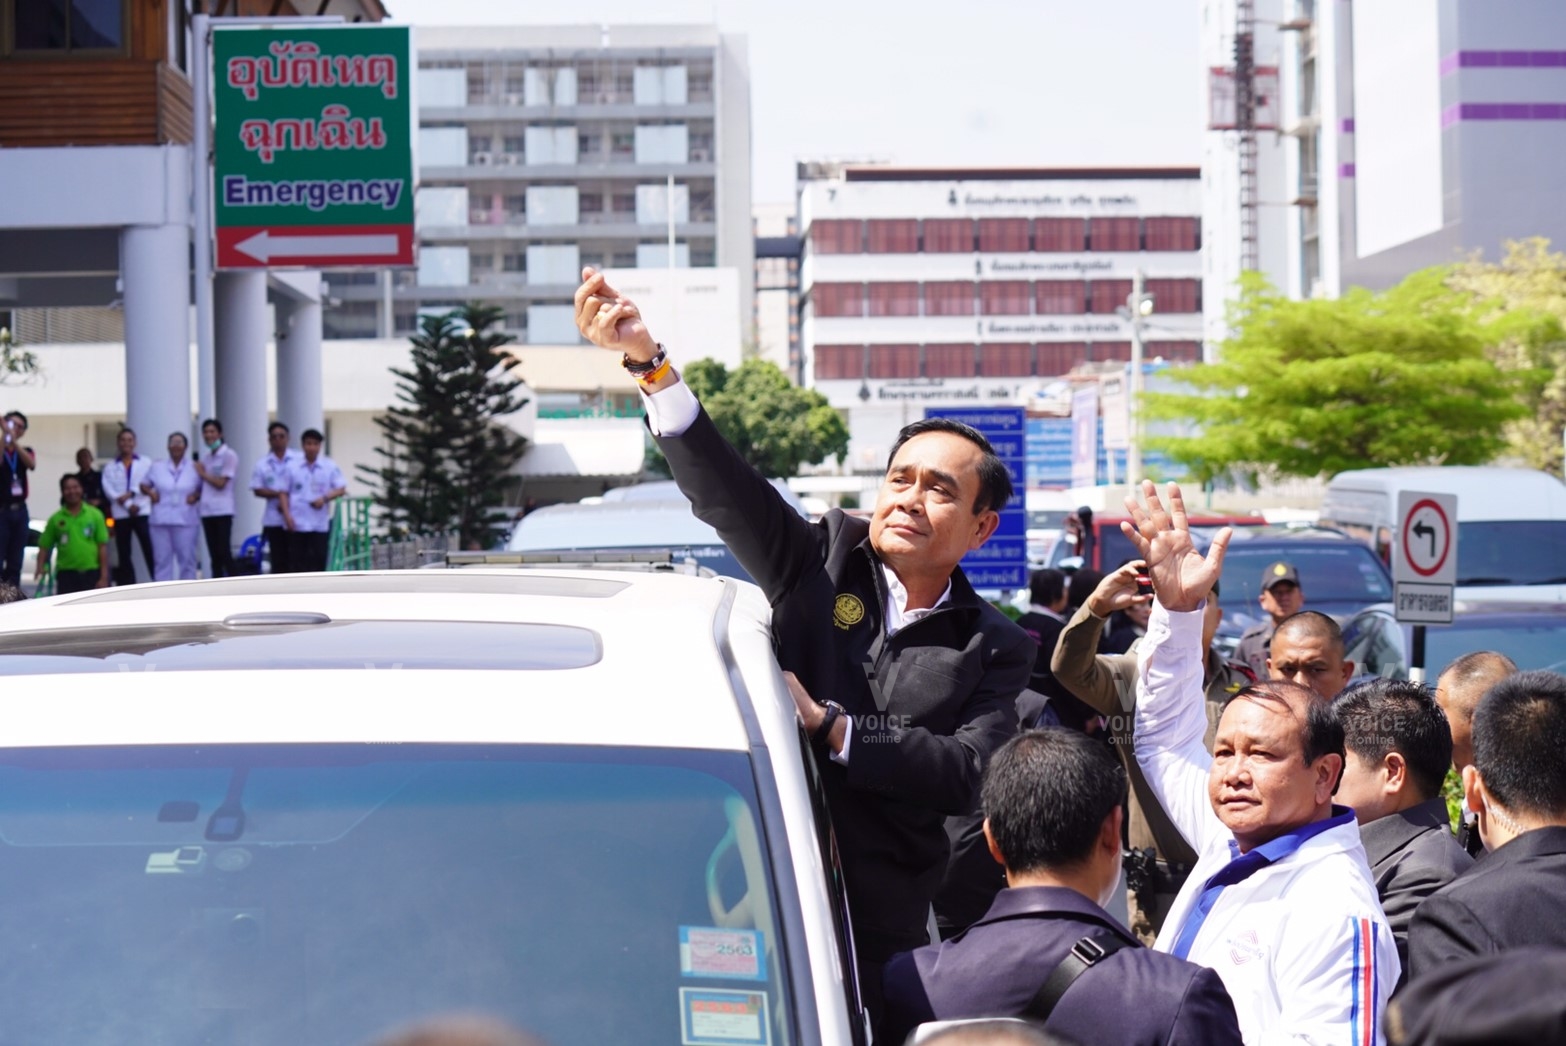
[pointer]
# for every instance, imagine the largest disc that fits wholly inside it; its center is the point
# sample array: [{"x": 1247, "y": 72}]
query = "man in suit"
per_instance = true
[
  {"x": 1053, "y": 801},
  {"x": 1159, "y": 857},
  {"x": 903, "y": 678},
  {"x": 1044, "y": 620},
  {"x": 1307, "y": 648},
  {"x": 1398, "y": 747},
  {"x": 1458, "y": 689},
  {"x": 1512, "y": 896}
]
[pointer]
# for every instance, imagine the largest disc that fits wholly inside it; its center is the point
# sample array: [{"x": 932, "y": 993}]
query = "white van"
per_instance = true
[{"x": 1511, "y": 524}]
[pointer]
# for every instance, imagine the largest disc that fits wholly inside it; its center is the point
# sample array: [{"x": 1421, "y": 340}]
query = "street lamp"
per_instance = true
[{"x": 1136, "y": 310}]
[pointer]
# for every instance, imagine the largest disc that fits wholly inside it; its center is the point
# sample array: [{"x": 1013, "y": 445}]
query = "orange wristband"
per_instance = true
[{"x": 657, "y": 375}]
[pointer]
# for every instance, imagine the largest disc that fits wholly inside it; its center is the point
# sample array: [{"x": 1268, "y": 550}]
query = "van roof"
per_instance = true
[{"x": 1483, "y": 491}]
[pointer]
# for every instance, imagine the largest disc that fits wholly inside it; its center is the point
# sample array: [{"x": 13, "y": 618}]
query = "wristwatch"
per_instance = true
[
  {"x": 639, "y": 369},
  {"x": 823, "y": 734}
]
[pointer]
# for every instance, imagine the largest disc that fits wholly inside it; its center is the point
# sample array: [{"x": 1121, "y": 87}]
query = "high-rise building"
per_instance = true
[
  {"x": 544, "y": 149},
  {"x": 1441, "y": 128},
  {"x": 963, "y": 287}
]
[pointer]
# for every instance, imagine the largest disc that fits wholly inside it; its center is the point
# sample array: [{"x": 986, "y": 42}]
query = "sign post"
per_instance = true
[
  {"x": 1084, "y": 436},
  {"x": 1002, "y": 561},
  {"x": 1424, "y": 566},
  {"x": 313, "y": 146}
]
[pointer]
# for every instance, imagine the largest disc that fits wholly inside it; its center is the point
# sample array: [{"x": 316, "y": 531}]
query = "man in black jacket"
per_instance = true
[
  {"x": 903, "y": 677},
  {"x": 1054, "y": 800},
  {"x": 1398, "y": 747},
  {"x": 1513, "y": 895}
]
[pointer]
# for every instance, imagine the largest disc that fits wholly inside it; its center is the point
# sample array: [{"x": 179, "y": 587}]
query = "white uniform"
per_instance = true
[{"x": 1301, "y": 943}]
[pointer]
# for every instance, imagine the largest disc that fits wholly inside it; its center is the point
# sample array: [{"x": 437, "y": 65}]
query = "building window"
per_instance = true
[
  {"x": 623, "y": 203},
  {"x": 1005, "y": 298},
  {"x": 949, "y": 361},
  {"x": 1109, "y": 351},
  {"x": 838, "y": 299},
  {"x": 1060, "y": 235},
  {"x": 839, "y": 361},
  {"x": 1060, "y": 297},
  {"x": 1105, "y": 296},
  {"x": 894, "y": 299},
  {"x": 67, "y": 25},
  {"x": 948, "y": 299},
  {"x": 1176, "y": 351},
  {"x": 1005, "y": 361},
  {"x": 892, "y": 236},
  {"x": 948, "y": 236},
  {"x": 1003, "y": 235},
  {"x": 1175, "y": 296},
  {"x": 1173, "y": 234},
  {"x": 1056, "y": 358},
  {"x": 1115, "y": 234},
  {"x": 894, "y": 361},
  {"x": 513, "y": 261},
  {"x": 837, "y": 237}
]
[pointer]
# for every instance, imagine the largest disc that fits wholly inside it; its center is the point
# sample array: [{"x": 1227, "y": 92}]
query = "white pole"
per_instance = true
[
  {"x": 201, "y": 197},
  {"x": 671, "y": 219},
  {"x": 1134, "y": 443}
]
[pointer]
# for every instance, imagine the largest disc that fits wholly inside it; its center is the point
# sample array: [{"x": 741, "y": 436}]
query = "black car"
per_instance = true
[
  {"x": 1338, "y": 575},
  {"x": 1531, "y": 634}
]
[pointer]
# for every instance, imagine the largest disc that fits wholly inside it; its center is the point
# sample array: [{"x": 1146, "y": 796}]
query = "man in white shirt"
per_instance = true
[
  {"x": 218, "y": 474},
  {"x": 313, "y": 484},
  {"x": 122, "y": 480},
  {"x": 1281, "y": 903},
  {"x": 269, "y": 481}
]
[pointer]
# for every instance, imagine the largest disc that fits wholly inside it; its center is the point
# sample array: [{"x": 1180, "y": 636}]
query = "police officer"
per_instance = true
[{"x": 1281, "y": 595}]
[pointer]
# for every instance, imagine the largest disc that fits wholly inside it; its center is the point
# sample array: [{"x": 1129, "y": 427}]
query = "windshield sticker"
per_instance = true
[
  {"x": 720, "y": 1018},
  {"x": 729, "y": 954}
]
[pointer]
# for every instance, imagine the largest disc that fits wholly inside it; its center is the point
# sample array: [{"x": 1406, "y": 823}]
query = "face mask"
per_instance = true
[{"x": 214, "y": 444}]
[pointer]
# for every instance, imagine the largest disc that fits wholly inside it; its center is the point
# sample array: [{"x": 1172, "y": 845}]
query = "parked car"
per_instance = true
[
  {"x": 631, "y": 524},
  {"x": 1531, "y": 634},
  {"x": 1338, "y": 575},
  {"x": 306, "y": 808},
  {"x": 1511, "y": 524},
  {"x": 1112, "y": 548}
]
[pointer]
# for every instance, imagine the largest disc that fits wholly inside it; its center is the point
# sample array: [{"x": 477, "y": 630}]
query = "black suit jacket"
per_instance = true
[
  {"x": 1511, "y": 898},
  {"x": 1412, "y": 855},
  {"x": 929, "y": 704},
  {"x": 1135, "y": 996}
]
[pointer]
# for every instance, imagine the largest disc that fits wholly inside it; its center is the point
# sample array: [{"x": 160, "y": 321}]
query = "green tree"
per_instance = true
[
  {"x": 446, "y": 453},
  {"x": 1309, "y": 388},
  {"x": 16, "y": 363},
  {"x": 1525, "y": 295},
  {"x": 776, "y": 425}
]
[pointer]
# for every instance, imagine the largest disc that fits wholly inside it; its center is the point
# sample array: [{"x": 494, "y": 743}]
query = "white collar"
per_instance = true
[
  {"x": 897, "y": 614},
  {"x": 1036, "y": 608}
]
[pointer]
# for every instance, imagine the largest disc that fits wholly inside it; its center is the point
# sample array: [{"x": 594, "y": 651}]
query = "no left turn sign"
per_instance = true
[{"x": 1424, "y": 566}]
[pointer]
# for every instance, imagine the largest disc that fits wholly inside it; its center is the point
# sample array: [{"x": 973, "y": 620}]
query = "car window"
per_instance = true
[
  {"x": 1533, "y": 642},
  {"x": 1511, "y": 552},
  {"x": 278, "y": 895},
  {"x": 1343, "y": 571}
]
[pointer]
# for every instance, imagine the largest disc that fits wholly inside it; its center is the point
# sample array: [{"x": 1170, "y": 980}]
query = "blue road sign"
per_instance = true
[{"x": 1002, "y": 562}]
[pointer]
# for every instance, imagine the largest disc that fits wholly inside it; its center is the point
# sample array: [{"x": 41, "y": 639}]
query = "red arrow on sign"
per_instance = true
[{"x": 304, "y": 246}]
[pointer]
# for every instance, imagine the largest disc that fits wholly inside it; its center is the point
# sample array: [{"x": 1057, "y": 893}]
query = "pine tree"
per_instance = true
[{"x": 448, "y": 454}]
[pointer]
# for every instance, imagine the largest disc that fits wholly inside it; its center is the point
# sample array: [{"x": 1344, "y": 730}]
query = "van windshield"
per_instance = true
[
  {"x": 283, "y": 894},
  {"x": 1511, "y": 552}
]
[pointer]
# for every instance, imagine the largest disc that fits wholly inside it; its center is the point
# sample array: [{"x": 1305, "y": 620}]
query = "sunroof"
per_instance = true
[
  {"x": 284, "y": 644},
  {"x": 434, "y": 582}
]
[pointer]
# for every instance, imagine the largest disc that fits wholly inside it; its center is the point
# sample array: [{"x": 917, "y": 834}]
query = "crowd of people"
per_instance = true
[
  {"x": 1280, "y": 823},
  {"x": 165, "y": 507}
]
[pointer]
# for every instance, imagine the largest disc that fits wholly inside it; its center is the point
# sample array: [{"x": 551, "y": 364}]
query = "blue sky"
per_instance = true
[{"x": 944, "y": 82}]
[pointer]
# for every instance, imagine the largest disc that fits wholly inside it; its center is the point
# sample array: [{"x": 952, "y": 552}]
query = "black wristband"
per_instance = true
[
  {"x": 641, "y": 369},
  {"x": 823, "y": 733}
]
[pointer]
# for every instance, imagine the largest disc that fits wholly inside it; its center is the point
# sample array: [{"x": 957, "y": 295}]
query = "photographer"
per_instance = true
[{"x": 16, "y": 461}]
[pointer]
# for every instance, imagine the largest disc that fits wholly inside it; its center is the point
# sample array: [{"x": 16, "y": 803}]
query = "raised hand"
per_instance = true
[
  {"x": 610, "y": 320},
  {"x": 1181, "y": 575}
]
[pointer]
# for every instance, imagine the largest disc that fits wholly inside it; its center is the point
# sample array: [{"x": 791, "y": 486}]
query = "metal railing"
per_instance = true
[{"x": 355, "y": 546}]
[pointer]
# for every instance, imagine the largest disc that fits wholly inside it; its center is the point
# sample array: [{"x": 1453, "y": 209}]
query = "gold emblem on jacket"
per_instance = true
[{"x": 847, "y": 610}]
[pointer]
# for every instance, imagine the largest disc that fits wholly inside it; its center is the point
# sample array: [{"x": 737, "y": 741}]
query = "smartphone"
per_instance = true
[{"x": 1144, "y": 585}]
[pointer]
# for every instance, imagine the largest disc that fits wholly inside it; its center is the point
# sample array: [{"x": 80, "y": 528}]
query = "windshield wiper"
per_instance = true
[
  {"x": 1486, "y": 581},
  {"x": 1548, "y": 581}
]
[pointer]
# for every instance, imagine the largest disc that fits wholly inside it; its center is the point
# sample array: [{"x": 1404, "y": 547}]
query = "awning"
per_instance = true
[{"x": 607, "y": 447}]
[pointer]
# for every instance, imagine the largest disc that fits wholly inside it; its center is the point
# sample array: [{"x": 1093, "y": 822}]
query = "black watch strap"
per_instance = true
[{"x": 823, "y": 732}]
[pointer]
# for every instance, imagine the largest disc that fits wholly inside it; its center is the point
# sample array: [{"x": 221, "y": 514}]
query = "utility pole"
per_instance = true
[
  {"x": 1139, "y": 306},
  {"x": 1245, "y": 124}
]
